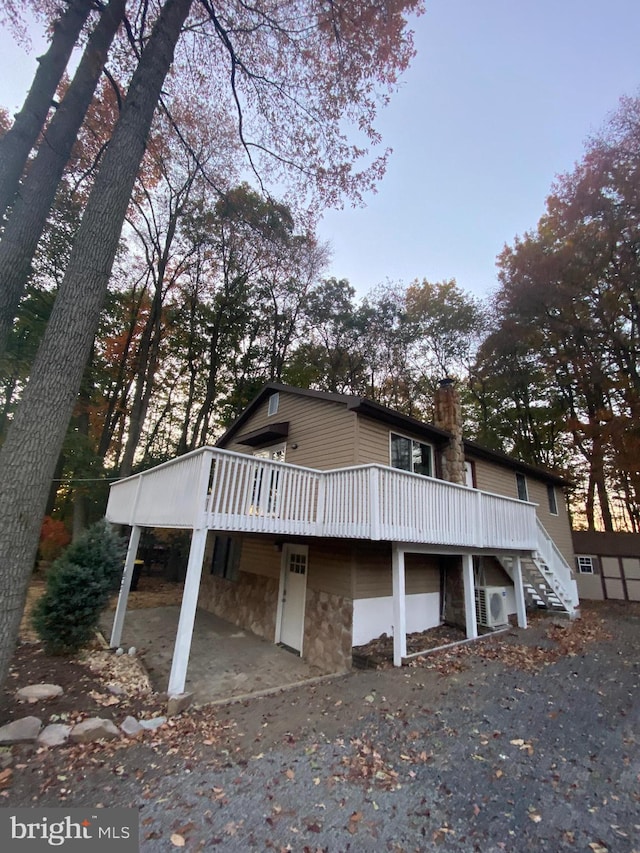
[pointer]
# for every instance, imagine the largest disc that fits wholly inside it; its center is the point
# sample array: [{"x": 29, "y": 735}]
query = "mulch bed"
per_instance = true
[
  {"x": 84, "y": 679},
  {"x": 378, "y": 653}
]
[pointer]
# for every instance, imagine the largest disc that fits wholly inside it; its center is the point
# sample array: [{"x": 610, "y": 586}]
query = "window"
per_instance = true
[
  {"x": 551, "y": 497},
  {"x": 264, "y": 497},
  {"x": 274, "y": 401},
  {"x": 585, "y": 565},
  {"x": 411, "y": 455},
  {"x": 521, "y": 483},
  {"x": 226, "y": 557}
]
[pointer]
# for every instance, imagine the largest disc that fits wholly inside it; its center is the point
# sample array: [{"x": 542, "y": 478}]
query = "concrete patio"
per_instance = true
[{"x": 225, "y": 661}]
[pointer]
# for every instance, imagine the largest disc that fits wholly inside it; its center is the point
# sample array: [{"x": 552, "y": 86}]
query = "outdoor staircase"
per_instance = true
[{"x": 547, "y": 578}]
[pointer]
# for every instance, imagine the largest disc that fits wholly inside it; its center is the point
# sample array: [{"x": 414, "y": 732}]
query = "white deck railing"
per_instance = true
[
  {"x": 562, "y": 580},
  {"x": 224, "y": 490}
]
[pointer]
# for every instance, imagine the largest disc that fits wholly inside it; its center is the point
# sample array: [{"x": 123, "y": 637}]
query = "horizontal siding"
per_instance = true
[
  {"x": 330, "y": 568},
  {"x": 502, "y": 481},
  {"x": 260, "y": 556},
  {"x": 492, "y": 573},
  {"x": 323, "y": 431},
  {"x": 372, "y": 442},
  {"x": 373, "y": 574}
]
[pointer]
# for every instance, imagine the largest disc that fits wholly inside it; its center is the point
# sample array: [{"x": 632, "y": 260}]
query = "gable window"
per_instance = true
[
  {"x": 521, "y": 484},
  {"x": 551, "y": 497},
  {"x": 274, "y": 402},
  {"x": 226, "y": 557},
  {"x": 585, "y": 565},
  {"x": 411, "y": 455}
]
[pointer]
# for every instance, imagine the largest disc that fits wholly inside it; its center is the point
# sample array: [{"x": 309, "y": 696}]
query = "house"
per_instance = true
[
  {"x": 607, "y": 565},
  {"x": 322, "y": 520}
]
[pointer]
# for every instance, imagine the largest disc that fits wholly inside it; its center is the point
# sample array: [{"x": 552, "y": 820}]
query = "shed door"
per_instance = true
[{"x": 293, "y": 590}]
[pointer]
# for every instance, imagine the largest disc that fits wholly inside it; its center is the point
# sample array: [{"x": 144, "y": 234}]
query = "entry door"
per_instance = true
[{"x": 293, "y": 590}]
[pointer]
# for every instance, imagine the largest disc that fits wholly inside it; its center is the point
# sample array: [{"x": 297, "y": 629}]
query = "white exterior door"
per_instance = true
[{"x": 293, "y": 592}]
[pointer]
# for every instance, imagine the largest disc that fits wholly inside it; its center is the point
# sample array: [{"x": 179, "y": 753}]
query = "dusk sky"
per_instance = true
[{"x": 499, "y": 100}]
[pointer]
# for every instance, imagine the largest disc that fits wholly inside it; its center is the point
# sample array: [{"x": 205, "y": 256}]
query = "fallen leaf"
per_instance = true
[{"x": 177, "y": 840}]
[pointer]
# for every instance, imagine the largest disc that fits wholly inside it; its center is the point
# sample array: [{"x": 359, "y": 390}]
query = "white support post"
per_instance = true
[
  {"x": 399, "y": 605},
  {"x": 521, "y": 608},
  {"x": 125, "y": 586},
  {"x": 187, "y": 612},
  {"x": 469, "y": 596},
  {"x": 374, "y": 505}
]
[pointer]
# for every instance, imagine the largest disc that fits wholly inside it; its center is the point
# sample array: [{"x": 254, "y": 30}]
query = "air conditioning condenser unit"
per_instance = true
[{"x": 491, "y": 606}]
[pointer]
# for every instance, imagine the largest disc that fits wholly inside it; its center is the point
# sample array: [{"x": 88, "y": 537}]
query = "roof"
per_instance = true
[
  {"x": 606, "y": 543},
  {"x": 369, "y": 408}
]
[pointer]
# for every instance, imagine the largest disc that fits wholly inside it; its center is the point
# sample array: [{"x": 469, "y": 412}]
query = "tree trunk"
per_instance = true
[
  {"x": 30, "y": 451},
  {"x": 17, "y": 143},
  {"x": 32, "y": 205}
]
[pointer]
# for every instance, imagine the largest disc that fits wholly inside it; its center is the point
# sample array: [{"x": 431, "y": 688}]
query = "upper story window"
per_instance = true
[
  {"x": 274, "y": 402},
  {"x": 276, "y": 452},
  {"x": 521, "y": 484},
  {"x": 411, "y": 455},
  {"x": 551, "y": 497}
]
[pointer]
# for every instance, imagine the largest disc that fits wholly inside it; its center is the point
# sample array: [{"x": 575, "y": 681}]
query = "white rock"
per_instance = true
[
  {"x": 95, "y": 728},
  {"x": 54, "y": 735},
  {"x": 131, "y": 727},
  {"x": 153, "y": 723},
  {"x": 24, "y": 730},
  {"x": 36, "y": 692},
  {"x": 132, "y": 650}
]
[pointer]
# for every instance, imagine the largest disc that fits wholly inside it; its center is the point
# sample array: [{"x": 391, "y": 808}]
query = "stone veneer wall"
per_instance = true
[
  {"x": 447, "y": 414},
  {"x": 250, "y": 602},
  {"x": 328, "y": 631},
  {"x": 454, "y": 610}
]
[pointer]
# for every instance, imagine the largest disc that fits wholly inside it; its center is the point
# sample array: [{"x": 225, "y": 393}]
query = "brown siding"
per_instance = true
[
  {"x": 323, "y": 431},
  {"x": 492, "y": 573},
  {"x": 330, "y": 567},
  {"x": 260, "y": 556},
  {"x": 502, "y": 481},
  {"x": 373, "y": 573},
  {"x": 373, "y": 442}
]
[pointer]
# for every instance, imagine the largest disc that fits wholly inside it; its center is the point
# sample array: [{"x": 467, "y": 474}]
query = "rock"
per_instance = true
[
  {"x": 131, "y": 727},
  {"x": 178, "y": 702},
  {"x": 132, "y": 651},
  {"x": 54, "y": 735},
  {"x": 36, "y": 692},
  {"x": 115, "y": 689},
  {"x": 6, "y": 757},
  {"x": 24, "y": 730},
  {"x": 153, "y": 723},
  {"x": 120, "y": 651},
  {"x": 95, "y": 728}
]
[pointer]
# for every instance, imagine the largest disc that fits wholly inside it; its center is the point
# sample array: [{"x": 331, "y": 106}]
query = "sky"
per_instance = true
[{"x": 499, "y": 100}]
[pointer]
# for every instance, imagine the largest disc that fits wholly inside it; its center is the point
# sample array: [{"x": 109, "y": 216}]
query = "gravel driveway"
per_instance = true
[{"x": 462, "y": 752}]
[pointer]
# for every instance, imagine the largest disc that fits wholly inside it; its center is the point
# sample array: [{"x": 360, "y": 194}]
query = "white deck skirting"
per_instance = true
[{"x": 374, "y": 616}]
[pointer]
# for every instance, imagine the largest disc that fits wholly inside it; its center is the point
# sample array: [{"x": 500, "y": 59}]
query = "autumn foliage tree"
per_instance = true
[
  {"x": 293, "y": 75},
  {"x": 567, "y": 347}
]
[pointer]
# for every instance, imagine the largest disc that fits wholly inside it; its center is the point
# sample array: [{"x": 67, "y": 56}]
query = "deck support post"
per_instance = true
[
  {"x": 399, "y": 605},
  {"x": 521, "y": 607},
  {"x": 125, "y": 586},
  {"x": 469, "y": 597},
  {"x": 187, "y": 612}
]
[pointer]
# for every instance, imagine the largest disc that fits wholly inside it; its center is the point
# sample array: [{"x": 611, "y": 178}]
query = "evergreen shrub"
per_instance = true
[{"x": 79, "y": 585}]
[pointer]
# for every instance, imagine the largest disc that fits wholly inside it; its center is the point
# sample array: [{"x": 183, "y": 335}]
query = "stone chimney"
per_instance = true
[{"x": 447, "y": 415}]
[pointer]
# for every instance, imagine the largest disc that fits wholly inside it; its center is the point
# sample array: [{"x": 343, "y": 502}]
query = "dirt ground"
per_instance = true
[{"x": 524, "y": 741}]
